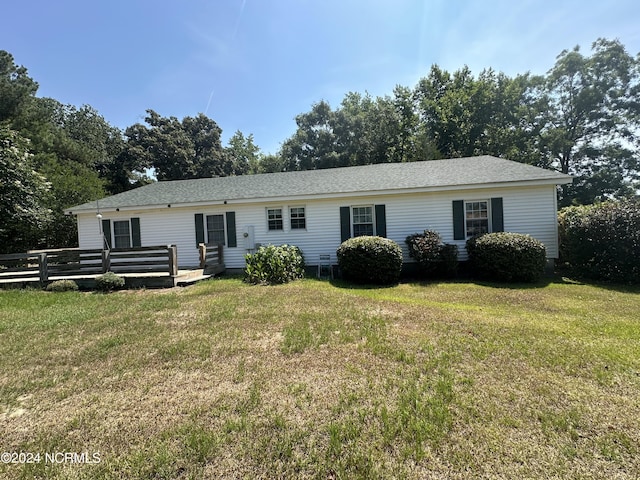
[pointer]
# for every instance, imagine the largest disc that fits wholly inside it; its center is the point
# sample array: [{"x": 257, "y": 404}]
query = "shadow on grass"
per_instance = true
[
  {"x": 349, "y": 285},
  {"x": 616, "y": 287},
  {"x": 543, "y": 282}
]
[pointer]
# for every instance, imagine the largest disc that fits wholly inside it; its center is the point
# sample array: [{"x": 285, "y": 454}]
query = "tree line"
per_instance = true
[{"x": 580, "y": 118}]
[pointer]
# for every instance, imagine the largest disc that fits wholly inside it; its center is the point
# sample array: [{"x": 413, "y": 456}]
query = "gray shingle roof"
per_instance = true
[{"x": 348, "y": 180}]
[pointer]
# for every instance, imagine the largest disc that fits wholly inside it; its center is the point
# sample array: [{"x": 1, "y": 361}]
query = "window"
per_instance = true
[
  {"x": 476, "y": 216},
  {"x": 362, "y": 221},
  {"x": 274, "y": 218},
  {"x": 298, "y": 219},
  {"x": 122, "y": 234},
  {"x": 215, "y": 229}
]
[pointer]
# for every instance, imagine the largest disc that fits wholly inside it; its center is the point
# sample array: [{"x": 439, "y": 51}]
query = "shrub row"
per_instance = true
[
  {"x": 602, "y": 241},
  {"x": 503, "y": 256},
  {"x": 104, "y": 283}
]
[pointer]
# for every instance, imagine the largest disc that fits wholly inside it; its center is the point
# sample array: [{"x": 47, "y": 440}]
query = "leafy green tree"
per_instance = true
[
  {"x": 488, "y": 115},
  {"x": 591, "y": 120},
  {"x": 384, "y": 130},
  {"x": 413, "y": 141},
  {"x": 23, "y": 195},
  {"x": 74, "y": 149},
  {"x": 16, "y": 87},
  {"x": 270, "y": 164},
  {"x": 351, "y": 125},
  {"x": 361, "y": 131},
  {"x": 179, "y": 150},
  {"x": 71, "y": 183},
  {"x": 244, "y": 153},
  {"x": 313, "y": 145}
]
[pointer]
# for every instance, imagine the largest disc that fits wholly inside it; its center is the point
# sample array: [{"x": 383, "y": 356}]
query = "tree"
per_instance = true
[
  {"x": 271, "y": 164},
  {"x": 177, "y": 149},
  {"x": 488, "y": 115},
  {"x": 16, "y": 87},
  {"x": 591, "y": 121},
  {"x": 71, "y": 183},
  {"x": 361, "y": 131},
  {"x": 244, "y": 153},
  {"x": 23, "y": 195},
  {"x": 414, "y": 142},
  {"x": 75, "y": 150},
  {"x": 313, "y": 145}
]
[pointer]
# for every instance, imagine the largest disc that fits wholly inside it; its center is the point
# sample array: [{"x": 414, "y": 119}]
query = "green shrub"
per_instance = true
[
  {"x": 602, "y": 241},
  {"x": 109, "y": 282},
  {"x": 272, "y": 264},
  {"x": 507, "y": 257},
  {"x": 370, "y": 260},
  {"x": 62, "y": 286},
  {"x": 432, "y": 255}
]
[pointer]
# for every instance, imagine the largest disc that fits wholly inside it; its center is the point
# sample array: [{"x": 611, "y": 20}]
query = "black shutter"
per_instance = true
[
  {"x": 106, "y": 234},
  {"x": 497, "y": 216},
  {"x": 199, "y": 228},
  {"x": 345, "y": 223},
  {"x": 458, "y": 220},
  {"x": 381, "y": 221},
  {"x": 135, "y": 232},
  {"x": 232, "y": 241}
]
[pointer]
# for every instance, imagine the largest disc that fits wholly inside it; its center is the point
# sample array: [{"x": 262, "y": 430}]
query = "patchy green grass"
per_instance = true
[{"x": 320, "y": 380}]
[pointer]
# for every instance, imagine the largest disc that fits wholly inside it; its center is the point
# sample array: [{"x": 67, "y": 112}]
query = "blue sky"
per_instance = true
[{"x": 253, "y": 65}]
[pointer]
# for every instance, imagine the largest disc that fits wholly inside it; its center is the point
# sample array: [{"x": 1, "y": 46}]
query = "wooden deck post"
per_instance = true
[
  {"x": 173, "y": 260},
  {"x": 43, "y": 267},
  {"x": 106, "y": 261},
  {"x": 202, "y": 251}
]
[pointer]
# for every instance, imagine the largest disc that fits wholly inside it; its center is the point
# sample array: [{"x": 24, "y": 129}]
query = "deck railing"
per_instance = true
[
  {"x": 144, "y": 260},
  {"x": 45, "y": 265},
  {"x": 211, "y": 259},
  {"x": 21, "y": 266}
]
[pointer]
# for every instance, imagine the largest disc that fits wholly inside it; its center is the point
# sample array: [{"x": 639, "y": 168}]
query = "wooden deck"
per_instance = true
[
  {"x": 132, "y": 280},
  {"x": 141, "y": 267}
]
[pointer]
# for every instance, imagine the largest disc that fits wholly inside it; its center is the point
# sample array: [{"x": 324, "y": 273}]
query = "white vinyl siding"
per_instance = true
[{"x": 530, "y": 210}]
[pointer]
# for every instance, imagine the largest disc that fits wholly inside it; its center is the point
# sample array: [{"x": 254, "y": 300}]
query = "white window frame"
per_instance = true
[
  {"x": 488, "y": 219},
  {"x": 281, "y": 219},
  {"x": 224, "y": 227},
  {"x": 303, "y": 218},
  {"x": 115, "y": 236},
  {"x": 353, "y": 219}
]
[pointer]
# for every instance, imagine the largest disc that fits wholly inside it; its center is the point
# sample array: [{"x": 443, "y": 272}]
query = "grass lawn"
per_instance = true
[{"x": 318, "y": 380}]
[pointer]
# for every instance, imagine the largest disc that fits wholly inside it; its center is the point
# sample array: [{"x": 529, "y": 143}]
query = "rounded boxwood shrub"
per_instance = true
[
  {"x": 602, "y": 241},
  {"x": 109, "y": 282},
  {"x": 274, "y": 264},
  {"x": 433, "y": 256},
  {"x": 508, "y": 257},
  {"x": 62, "y": 286},
  {"x": 370, "y": 260}
]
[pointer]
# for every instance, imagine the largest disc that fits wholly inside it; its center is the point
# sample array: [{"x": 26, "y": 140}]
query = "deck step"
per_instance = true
[{"x": 190, "y": 280}]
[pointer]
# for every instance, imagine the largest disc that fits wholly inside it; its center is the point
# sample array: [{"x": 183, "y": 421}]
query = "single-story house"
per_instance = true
[{"x": 317, "y": 210}]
